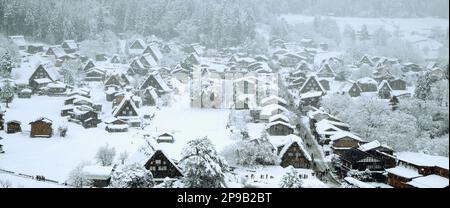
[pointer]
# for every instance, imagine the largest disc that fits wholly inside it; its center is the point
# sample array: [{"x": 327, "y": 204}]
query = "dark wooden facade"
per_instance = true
[
  {"x": 162, "y": 167},
  {"x": 13, "y": 127},
  {"x": 41, "y": 128},
  {"x": 280, "y": 129},
  {"x": 293, "y": 156}
]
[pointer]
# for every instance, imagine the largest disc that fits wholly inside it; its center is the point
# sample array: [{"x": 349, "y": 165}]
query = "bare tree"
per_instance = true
[
  {"x": 5, "y": 183},
  {"x": 105, "y": 155}
]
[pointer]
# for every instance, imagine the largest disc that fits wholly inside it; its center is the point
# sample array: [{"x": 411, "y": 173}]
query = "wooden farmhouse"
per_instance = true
[
  {"x": 367, "y": 84},
  {"x": 326, "y": 71},
  {"x": 95, "y": 74},
  {"x": 40, "y": 78},
  {"x": 385, "y": 90},
  {"x": 70, "y": 46},
  {"x": 41, "y": 127},
  {"x": 155, "y": 81},
  {"x": 116, "y": 125},
  {"x": 312, "y": 85},
  {"x": 291, "y": 151},
  {"x": 90, "y": 64},
  {"x": 350, "y": 88},
  {"x": 157, "y": 161},
  {"x": 154, "y": 52},
  {"x": 417, "y": 170}
]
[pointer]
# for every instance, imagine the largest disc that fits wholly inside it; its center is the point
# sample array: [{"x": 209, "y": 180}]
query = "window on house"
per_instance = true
[
  {"x": 158, "y": 162},
  {"x": 152, "y": 168},
  {"x": 162, "y": 168}
]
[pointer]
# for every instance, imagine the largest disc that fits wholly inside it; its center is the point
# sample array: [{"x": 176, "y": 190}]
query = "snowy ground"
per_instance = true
[
  {"x": 54, "y": 158},
  {"x": 23, "y": 182},
  {"x": 271, "y": 176},
  {"x": 186, "y": 123}
]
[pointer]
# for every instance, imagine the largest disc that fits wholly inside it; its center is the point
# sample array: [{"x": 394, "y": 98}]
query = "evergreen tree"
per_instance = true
[
  {"x": 202, "y": 166},
  {"x": 291, "y": 179},
  {"x": 6, "y": 65},
  {"x": 423, "y": 87},
  {"x": 7, "y": 92}
]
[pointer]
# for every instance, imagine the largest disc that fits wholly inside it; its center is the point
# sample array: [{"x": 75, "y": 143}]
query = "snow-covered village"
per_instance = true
[{"x": 224, "y": 94}]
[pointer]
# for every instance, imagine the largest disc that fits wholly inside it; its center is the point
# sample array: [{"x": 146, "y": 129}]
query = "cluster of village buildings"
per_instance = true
[{"x": 232, "y": 79}]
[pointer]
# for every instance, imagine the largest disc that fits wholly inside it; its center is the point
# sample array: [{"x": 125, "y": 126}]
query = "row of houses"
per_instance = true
[
  {"x": 399, "y": 170},
  {"x": 41, "y": 127}
]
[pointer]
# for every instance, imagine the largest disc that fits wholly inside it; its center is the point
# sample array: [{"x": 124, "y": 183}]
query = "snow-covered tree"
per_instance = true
[
  {"x": 202, "y": 166},
  {"x": 251, "y": 153},
  {"x": 105, "y": 155},
  {"x": 7, "y": 92},
  {"x": 381, "y": 36},
  {"x": 132, "y": 176},
  {"x": 6, "y": 65},
  {"x": 5, "y": 183},
  {"x": 77, "y": 177},
  {"x": 364, "y": 33},
  {"x": 423, "y": 87},
  {"x": 291, "y": 179}
]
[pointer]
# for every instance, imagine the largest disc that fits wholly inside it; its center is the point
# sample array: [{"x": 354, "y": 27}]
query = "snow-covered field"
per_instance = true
[{"x": 55, "y": 157}]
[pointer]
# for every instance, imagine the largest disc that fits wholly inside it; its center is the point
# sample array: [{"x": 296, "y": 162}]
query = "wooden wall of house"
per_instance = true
[
  {"x": 41, "y": 128},
  {"x": 397, "y": 182},
  {"x": 295, "y": 157},
  {"x": 345, "y": 142},
  {"x": 280, "y": 130}
]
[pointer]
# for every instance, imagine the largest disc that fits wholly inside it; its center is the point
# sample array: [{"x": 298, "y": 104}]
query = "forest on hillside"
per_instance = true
[{"x": 214, "y": 23}]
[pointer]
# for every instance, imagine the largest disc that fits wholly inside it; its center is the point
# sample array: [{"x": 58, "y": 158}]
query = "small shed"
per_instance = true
[
  {"x": 41, "y": 127},
  {"x": 13, "y": 127},
  {"x": 165, "y": 138},
  {"x": 25, "y": 93}
]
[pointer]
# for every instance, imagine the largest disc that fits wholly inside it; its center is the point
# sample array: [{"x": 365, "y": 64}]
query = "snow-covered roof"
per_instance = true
[
  {"x": 96, "y": 172},
  {"x": 372, "y": 145},
  {"x": 268, "y": 110},
  {"x": 274, "y": 98},
  {"x": 279, "y": 116},
  {"x": 343, "y": 134},
  {"x": 149, "y": 59},
  {"x": 407, "y": 173},
  {"x": 18, "y": 40},
  {"x": 384, "y": 83},
  {"x": 56, "y": 85},
  {"x": 425, "y": 160},
  {"x": 288, "y": 141},
  {"x": 367, "y": 80},
  {"x": 46, "y": 120},
  {"x": 126, "y": 99},
  {"x": 311, "y": 94},
  {"x": 156, "y": 52},
  {"x": 357, "y": 183},
  {"x": 43, "y": 81},
  {"x": 146, "y": 152},
  {"x": 71, "y": 44},
  {"x": 279, "y": 122},
  {"x": 317, "y": 80},
  {"x": 58, "y": 51},
  {"x": 431, "y": 181},
  {"x": 158, "y": 79},
  {"x": 346, "y": 86},
  {"x": 322, "y": 128}
]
